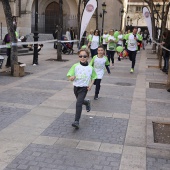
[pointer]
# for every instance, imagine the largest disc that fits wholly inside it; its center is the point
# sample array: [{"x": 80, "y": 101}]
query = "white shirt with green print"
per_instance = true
[
  {"x": 99, "y": 65},
  {"x": 112, "y": 45},
  {"x": 83, "y": 74},
  {"x": 132, "y": 44}
]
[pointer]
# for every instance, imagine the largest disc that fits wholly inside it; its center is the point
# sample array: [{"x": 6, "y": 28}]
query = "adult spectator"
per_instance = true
[
  {"x": 166, "y": 44},
  {"x": 55, "y": 35},
  {"x": 72, "y": 34},
  {"x": 145, "y": 38},
  {"x": 68, "y": 35}
]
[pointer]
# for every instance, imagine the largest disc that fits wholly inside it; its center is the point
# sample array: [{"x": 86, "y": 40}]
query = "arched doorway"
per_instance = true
[{"x": 51, "y": 17}]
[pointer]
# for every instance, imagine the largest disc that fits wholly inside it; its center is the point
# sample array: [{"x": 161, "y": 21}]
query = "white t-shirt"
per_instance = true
[
  {"x": 99, "y": 65},
  {"x": 83, "y": 74},
  {"x": 95, "y": 42},
  {"x": 110, "y": 38},
  {"x": 132, "y": 43},
  {"x": 104, "y": 38},
  {"x": 68, "y": 35},
  {"x": 120, "y": 42}
]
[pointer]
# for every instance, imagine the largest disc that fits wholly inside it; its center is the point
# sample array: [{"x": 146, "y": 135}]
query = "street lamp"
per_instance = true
[
  {"x": 121, "y": 12},
  {"x": 104, "y": 11},
  {"x": 35, "y": 57}
]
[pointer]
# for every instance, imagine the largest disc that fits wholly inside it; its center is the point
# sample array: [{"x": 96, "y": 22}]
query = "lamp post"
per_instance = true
[
  {"x": 104, "y": 11},
  {"x": 121, "y": 12},
  {"x": 35, "y": 57}
]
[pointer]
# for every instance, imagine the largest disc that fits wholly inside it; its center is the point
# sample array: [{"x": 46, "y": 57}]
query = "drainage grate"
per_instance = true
[
  {"x": 123, "y": 84},
  {"x": 161, "y": 132},
  {"x": 153, "y": 66},
  {"x": 157, "y": 85},
  {"x": 53, "y": 59}
]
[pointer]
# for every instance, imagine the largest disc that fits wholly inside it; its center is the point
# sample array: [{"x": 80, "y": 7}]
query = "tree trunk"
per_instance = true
[
  {"x": 11, "y": 31},
  {"x": 60, "y": 27},
  {"x": 78, "y": 18}
]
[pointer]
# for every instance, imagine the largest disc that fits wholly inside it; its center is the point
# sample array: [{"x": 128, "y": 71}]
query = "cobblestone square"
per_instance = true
[
  {"x": 158, "y": 163},
  {"x": 24, "y": 96},
  {"x": 47, "y": 85},
  {"x": 99, "y": 129},
  {"x": 9, "y": 115},
  {"x": 108, "y": 104},
  {"x": 42, "y": 157}
]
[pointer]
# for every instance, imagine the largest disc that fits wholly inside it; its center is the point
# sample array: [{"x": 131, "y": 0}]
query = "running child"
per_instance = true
[
  {"x": 99, "y": 62},
  {"x": 83, "y": 76}
]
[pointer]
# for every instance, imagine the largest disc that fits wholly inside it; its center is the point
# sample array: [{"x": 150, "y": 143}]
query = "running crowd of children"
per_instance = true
[{"x": 102, "y": 48}]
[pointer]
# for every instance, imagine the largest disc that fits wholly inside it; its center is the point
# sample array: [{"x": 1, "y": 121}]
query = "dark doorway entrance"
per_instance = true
[{"x": 51, "y": 17}]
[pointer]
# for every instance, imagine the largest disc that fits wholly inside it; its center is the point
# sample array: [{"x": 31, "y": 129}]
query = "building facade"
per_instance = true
[
  {"x": 48, "y": 11},
  {"x": 134, "y": 17}
]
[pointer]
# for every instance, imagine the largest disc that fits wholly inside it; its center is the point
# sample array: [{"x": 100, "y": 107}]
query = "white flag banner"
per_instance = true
[
  {"x": 87, "y": 14},
  {"x": 147, "y": 16}
]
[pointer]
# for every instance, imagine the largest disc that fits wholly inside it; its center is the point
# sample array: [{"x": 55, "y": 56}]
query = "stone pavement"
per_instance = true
[{"x": 36, "y": 112}]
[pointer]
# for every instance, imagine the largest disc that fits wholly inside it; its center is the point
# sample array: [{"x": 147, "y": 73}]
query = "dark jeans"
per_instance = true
[
  {"x": 80, "y": 93},
  {"x": 8, "y": 63},
  {"x": 111, "y": 55},
  {"x": 166, "y": 60},
  {"x": 93, "y": 52},
  {"x": 97, "y": 83},
  {"x": 132, "y": 57}
]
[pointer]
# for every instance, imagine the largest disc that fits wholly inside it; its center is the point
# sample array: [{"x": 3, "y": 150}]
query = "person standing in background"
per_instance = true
[
  {"x": 68, "y": 36},
  {"x": 72, "y": 34},
  {"x": 145, "y": 38}
]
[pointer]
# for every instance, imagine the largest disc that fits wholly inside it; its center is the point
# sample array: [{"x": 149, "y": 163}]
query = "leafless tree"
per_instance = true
[{"x": 11, "y": 31}]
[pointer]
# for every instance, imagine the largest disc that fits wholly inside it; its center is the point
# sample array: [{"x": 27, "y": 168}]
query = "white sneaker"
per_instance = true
[{"x": 34, "y": 64}]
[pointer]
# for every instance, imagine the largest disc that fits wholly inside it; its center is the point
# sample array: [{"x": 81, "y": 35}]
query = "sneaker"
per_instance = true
[
  {"x": 131, "y": 70},
  {"x": 34, "y": 64},
  {"x": 76, "y": 124},
  {"x": 88, "y": 106},
  {"x": 96, "y": 97}
]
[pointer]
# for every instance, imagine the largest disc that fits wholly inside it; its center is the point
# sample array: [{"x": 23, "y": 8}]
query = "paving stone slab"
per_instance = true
[
  {"x": 158, "y": 163},
  {"x": 5, "y": 80},
  {"x": 42, "y": 157},
  {"x": 98, "y": 129},
  {"x": 111, "y": 105},
  {"x": 9, "y": 115},
  {"x": 114, "y": 81},
  {"x": 24, "y": 96},
  {"x": 158, "y": 109},
  {"x": 47, "y": 85},
  {"x": 160, "y": 94}
]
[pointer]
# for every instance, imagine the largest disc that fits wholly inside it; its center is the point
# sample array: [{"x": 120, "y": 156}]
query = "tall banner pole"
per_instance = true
[
  {"x": 87, "y": 15},
  {"x": 147, "y": 16}
]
